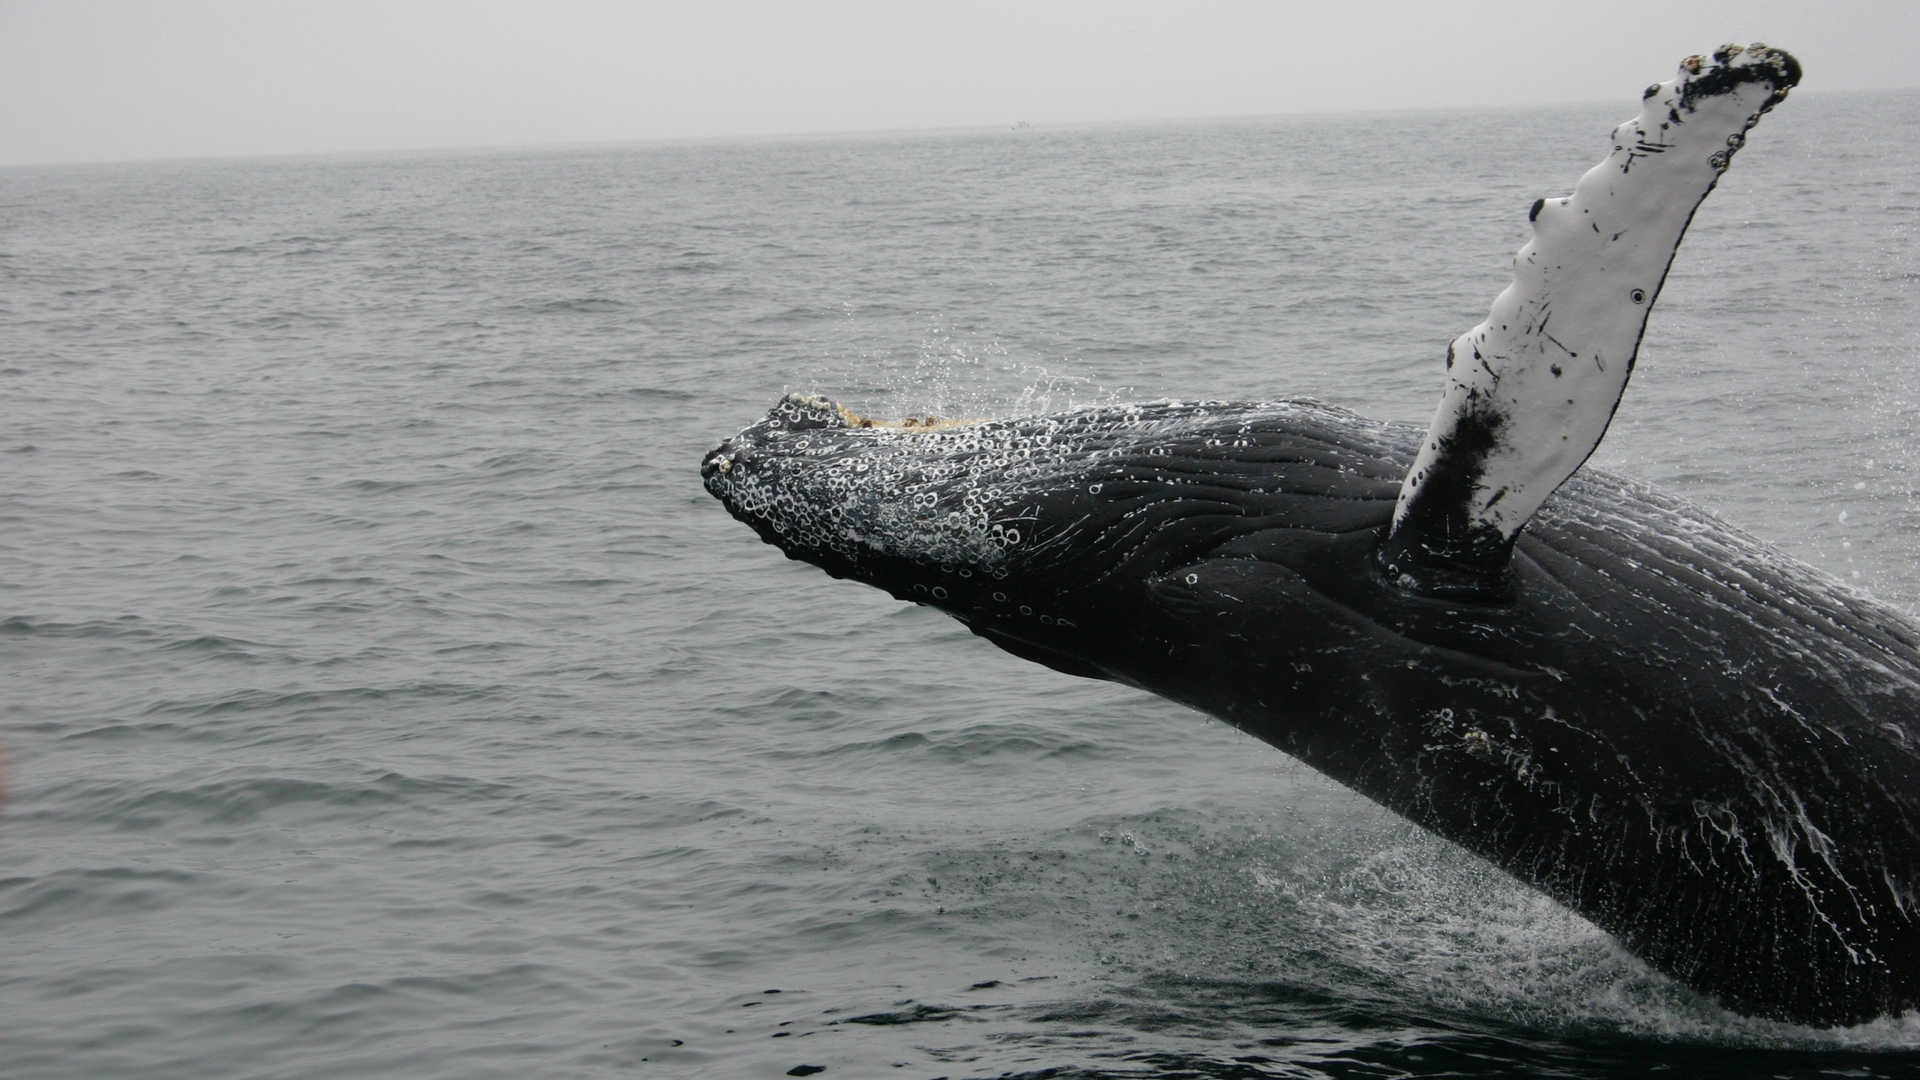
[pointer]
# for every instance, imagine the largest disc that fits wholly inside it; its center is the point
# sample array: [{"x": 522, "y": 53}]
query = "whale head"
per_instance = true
[{"x": 1069, "y": 539}]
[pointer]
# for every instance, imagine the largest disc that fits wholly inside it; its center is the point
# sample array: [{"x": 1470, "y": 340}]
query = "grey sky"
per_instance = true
[{"x": 87, "y": 80}]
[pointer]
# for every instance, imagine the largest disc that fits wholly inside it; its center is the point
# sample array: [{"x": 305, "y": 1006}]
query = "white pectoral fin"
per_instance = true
[{"x": 1530, "y": 391}]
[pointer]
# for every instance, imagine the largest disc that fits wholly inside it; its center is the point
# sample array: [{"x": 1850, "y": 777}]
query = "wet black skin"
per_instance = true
[{"x": 1708, "y": 750}]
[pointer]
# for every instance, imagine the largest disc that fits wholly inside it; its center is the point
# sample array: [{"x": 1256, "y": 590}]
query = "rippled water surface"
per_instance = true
[{"x": 382, "y": 695}]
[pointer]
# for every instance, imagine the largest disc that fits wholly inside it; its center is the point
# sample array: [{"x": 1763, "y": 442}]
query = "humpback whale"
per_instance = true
[{"x": 1710, "y": 751}]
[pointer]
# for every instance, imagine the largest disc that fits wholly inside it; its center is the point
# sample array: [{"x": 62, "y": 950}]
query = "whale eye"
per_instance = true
[{"x": 1638, "y": 296}]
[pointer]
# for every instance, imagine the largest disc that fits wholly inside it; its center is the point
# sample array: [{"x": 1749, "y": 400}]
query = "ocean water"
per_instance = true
[{"x": 381, "y": 695}]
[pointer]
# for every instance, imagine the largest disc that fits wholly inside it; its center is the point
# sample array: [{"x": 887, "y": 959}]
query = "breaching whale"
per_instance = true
[{"x": 1707, "y": 749}]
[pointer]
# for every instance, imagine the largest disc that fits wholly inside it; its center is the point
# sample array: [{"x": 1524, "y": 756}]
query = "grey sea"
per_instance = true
[{"x": 382, "y": 696}]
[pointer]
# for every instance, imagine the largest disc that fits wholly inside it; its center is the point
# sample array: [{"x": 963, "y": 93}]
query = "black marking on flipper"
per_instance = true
[{"x": 1437, "y": 549}]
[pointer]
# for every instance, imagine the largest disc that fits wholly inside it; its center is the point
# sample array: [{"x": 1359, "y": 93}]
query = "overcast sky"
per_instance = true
[{"x": 93, "y": 80}]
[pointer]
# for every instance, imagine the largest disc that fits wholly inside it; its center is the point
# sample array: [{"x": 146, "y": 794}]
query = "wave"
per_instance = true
[
  {"x": 69, "y": 894},
  {"x": 243, "y": 798},
  {"x": 124, "y": 626},
  {"x": 579, "y": 305},
  {"x": 313, "y": 703}
]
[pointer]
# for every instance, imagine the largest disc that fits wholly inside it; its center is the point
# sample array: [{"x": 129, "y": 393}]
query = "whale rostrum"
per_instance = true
[{"x": 1707, "y": 749}]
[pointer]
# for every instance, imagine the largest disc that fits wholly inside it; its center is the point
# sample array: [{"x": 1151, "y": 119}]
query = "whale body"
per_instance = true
[{"x": 1709, "y": 750}]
